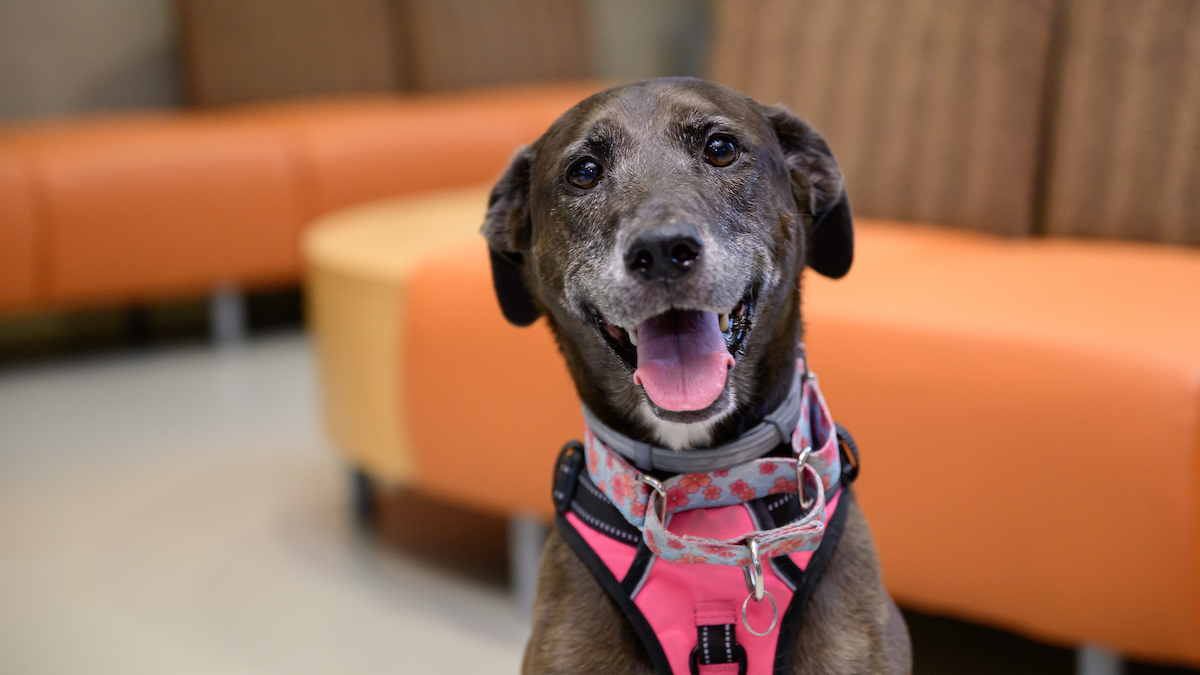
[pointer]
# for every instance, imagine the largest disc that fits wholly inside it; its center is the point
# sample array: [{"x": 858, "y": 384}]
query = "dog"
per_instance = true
[{"x": 680, "y": 212}]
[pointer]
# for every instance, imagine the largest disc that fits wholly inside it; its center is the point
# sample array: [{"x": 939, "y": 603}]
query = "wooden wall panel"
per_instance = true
[
  {"x": 465, "y": 43},
  {"x": 932, "y": 107},
  {"x": 1125, "y": 157},
  {"x": 246, "y": 50}
]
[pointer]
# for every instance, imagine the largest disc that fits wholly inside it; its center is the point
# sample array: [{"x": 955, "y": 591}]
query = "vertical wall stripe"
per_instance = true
[
  {"x": 464, "y": 43},
  {"x": 1181, "y": 192},
  {"x": 1126, "y": 141},
  {"x": 932, "y": 107}
]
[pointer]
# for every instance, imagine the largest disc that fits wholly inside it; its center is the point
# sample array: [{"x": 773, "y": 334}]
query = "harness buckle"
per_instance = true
[
  {"x": 566, "y": 475},
  {"x": 849, "y": 451},
  {"x": 657, "y": 486}
]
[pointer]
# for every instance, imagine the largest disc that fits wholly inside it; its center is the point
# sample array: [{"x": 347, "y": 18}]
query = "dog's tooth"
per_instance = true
[
  {"x": 632, "y": 330},
  {"x": 724, "y": 321}
]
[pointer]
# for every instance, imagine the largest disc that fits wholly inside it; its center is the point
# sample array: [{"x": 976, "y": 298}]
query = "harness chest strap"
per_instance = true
[{"x": 610, "y": 518}]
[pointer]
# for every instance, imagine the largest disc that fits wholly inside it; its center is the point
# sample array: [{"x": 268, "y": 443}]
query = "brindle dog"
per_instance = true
[{"x": 661, "y": 214}]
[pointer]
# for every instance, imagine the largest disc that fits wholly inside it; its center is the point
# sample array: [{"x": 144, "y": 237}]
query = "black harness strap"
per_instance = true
[{"x": 716, "y": 645}]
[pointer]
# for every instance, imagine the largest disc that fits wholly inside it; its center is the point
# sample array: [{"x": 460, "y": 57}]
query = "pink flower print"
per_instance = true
[
  {"x": 744, "y": 562},
  {"x": 592, "y": 463},
  {"x": 677, "y": 545},
  {"x": 766, "y": 468},
  {"x": 632, "y": 490},
  {"x": 676, "y": 497},
  {"x": 620, "y": 488},
  {"x": 638, "y": 509},
  {"x": 689, "y": 558},
  {"x": 722, "y": 473},
  {"x": 603, "y": 487},
  {"x": 826, "y": 482},
  {"x": 718, "y": 551},
  {"x": 608, "y": 461},
  {"x": 782, "y": 485},
  {"x": 692, "y": 482},
  {"x": 653, "y": 546},
  {"x": 711, "y": 493},
  {"x": 742, "y": 490},
  {"x": 782, "y": 546}
]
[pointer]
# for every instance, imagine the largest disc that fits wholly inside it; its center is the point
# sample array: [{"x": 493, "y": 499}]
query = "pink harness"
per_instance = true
[{"x": 721, "y": 587}]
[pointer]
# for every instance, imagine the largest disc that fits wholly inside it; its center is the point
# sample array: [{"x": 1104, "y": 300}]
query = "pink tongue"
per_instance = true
[{"x": 682, "y": 360}]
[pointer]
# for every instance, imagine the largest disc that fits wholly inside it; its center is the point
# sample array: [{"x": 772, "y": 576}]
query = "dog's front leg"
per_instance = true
[
  {"x": 851, "y": 626},
  {"x": 577, "y": 628}
]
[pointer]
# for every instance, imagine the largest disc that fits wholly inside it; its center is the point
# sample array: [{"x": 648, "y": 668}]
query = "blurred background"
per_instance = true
[{"x": 243, "y": 308}]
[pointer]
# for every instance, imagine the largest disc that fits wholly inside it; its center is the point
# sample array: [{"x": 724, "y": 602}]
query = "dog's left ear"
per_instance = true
[
  {"x": 819, "y": 188},
  {"x": 509, "y": 230}
]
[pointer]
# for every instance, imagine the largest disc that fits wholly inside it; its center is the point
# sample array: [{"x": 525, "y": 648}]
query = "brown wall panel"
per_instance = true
[
  {"x": 465, "y": 43},
  {"x": 1125, "y": 157},
  {"x": 932, "y": 107},
  {"x": 244, "y": 50}
]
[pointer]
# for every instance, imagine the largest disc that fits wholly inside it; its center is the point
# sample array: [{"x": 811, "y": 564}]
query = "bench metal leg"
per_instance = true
[
  {"x": 362, "y": 498},
  {"x": 1097, "y": 660},
  {"x": 227, "y": 315},
  {"x": 526, "y": 538}
]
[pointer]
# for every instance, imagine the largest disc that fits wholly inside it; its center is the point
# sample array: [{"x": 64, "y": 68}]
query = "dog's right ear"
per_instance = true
[{"x": 509, "y": 230}]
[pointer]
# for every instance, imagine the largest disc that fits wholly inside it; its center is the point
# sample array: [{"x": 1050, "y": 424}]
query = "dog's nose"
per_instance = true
[{"x": 665, "y": 252}]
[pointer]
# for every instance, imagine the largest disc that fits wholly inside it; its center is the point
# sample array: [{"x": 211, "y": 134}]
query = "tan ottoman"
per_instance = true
[{"x": 358, "y": 266}]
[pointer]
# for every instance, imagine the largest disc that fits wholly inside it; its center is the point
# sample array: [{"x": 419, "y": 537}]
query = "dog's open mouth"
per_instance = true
[{"x": 681, "y": 358}]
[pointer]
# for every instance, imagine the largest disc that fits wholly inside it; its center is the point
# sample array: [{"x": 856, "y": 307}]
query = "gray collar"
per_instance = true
[{"x": 776, "y": 428}]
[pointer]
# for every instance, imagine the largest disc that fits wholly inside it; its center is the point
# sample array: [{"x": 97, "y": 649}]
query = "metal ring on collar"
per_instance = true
[
  {"x": 774, "y": 615},
  {"x": 658, "y": 488},
  {"x": 801, "y": 462}
]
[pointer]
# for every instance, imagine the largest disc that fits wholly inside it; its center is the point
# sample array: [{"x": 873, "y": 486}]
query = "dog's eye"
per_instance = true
[
  {"x": 721, "y": 151},
  {"x": 584, "y": 174}
]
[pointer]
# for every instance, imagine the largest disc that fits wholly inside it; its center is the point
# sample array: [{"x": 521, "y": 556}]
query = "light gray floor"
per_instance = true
[{"x": 180, "y": 512}]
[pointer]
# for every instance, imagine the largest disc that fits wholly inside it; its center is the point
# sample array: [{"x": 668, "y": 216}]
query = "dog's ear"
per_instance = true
[
  {"x": 819, "y": 189},
  {"x": 508, "y": 230}
]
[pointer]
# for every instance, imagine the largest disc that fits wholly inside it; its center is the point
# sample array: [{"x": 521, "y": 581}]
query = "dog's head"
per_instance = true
[{"x": 662, "y": 228}]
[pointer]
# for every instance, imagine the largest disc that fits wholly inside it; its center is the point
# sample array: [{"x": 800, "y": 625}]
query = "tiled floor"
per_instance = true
[{"x": 178, "y": 512}]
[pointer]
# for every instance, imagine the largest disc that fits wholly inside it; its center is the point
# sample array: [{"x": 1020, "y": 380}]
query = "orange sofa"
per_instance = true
[
  {"x": 1028, "y": 414},
  {"x": 138, "y": 207}
]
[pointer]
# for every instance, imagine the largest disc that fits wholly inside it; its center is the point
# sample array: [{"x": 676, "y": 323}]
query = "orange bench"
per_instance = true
[
  {"x": 1028, "y": 413},
  {"x": 137, "y": 207}
]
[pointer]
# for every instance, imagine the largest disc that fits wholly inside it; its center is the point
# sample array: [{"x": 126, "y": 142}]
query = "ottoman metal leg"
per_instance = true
[
  {"x": 526, "y": 538},
  {"x": 1097, "y": 660},
  {"x": 362, "y": 496},
  {"x": 227, "y": 315}
]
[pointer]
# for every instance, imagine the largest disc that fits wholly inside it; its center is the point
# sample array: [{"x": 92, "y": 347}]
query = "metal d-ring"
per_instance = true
[
  {"x": 754, "y": 571},
  {"x": 657, "y": 486},
  {"x": 800, "y": 464},
  {"x": 754, "y": 580}
]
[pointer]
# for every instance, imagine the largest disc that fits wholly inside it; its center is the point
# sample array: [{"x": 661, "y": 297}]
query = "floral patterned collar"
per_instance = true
[{"x": 813, "y": 471}]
